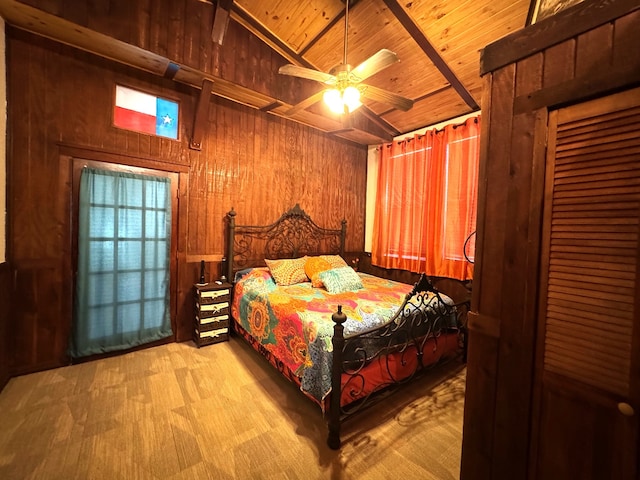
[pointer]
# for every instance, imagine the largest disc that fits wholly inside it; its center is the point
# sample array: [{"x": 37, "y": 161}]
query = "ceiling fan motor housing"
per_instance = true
[
  {"x": 343, "y": 77},
  {"x": 345, "y": 89}
]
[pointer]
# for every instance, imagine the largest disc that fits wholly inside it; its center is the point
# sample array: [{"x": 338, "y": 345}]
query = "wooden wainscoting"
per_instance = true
[
  {"x": 5, "y": 298},
  {"x": 458, "y": 291},
  {"x": 404, "y": 276}
]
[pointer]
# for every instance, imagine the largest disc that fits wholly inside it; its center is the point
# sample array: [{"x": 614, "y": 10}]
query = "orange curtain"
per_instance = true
[{"x": 426, "y": 203}]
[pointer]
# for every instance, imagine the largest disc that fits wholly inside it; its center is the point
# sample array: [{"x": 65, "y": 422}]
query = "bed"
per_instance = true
[{"x": 345, "y": 338}]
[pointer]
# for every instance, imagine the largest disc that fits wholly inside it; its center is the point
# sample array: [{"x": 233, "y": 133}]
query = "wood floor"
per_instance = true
[{"x": 219, "y": 412}]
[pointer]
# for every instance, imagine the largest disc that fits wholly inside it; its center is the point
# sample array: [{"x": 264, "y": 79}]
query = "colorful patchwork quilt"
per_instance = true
[{"x": 294, "y": 322}]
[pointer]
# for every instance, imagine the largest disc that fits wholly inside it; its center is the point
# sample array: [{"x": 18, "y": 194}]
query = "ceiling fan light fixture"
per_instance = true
[
  {"x": 343, "y": 84},
  {"x": 333, "y": 99},
  {"x": 351, "y": 98},
  {"x": 338, "y": 101}
]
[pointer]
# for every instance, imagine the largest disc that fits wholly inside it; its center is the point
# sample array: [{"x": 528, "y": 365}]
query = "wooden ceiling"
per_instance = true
[{"x": 438, "y": 43}]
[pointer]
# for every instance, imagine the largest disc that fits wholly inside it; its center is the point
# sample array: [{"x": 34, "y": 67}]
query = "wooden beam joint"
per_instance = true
[
  {"x": 414, "y": 30},
  {"x": 221, "y": 20},
  {"x": 202, "y": 115},
  {"x": 271, "y": 106},
  {"x": 172, "y": 69}
]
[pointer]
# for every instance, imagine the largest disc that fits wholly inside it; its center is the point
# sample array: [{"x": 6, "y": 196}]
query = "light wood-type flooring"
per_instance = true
[{"x": 218, "y": 412}]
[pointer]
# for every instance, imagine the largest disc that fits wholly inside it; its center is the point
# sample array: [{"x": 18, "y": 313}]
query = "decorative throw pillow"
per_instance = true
[
  {"x": 313, "y": 267},
  {"x": 339, "y": 280},
  {"x": 288, "y": 271},
  {"x": 336, "y": 261}
]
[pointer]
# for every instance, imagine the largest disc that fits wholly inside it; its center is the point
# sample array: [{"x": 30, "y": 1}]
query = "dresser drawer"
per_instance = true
[
  {"x": 212, "y": 310},
  {"x": 211, "y": 336},
  {"x": 212, "y": 323},
  {"x": 214, "y": 296}
]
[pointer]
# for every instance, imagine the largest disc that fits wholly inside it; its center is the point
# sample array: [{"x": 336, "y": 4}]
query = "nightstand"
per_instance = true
[{"x": 211, "y": 313}]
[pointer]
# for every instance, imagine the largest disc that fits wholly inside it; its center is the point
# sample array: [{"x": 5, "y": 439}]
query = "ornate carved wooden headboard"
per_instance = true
[{"x": 293, "y": 235}]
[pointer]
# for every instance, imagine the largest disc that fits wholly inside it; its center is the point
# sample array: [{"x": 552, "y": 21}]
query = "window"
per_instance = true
[
  {"x": 461, "y": 197},
  {"x": 426, "y": 202},
  {"x": 122, "y": 287}
]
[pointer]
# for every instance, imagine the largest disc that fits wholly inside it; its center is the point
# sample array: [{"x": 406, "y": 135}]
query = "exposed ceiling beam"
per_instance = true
[
  {"x": 221, "y": 20},
  {"x": 420, "y": 98},
  {"x": 271, "y": 106},
  {"x": 424, "y": 43},
  {"x": 247, "y": 21},
  {"x": 202, "y": 113},
  {"x": 328, "y": 27},
  {"x": 255, "y": 27},
  {"x": 381, "y": 122},
  {"x": 28, "y": 18},
  {"x": 566, "y": 24}
]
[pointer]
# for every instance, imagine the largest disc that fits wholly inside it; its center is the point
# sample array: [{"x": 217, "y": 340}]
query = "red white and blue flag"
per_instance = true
[{"x": 141, "y": 112}]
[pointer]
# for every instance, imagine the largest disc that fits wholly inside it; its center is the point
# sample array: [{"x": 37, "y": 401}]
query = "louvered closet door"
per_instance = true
[{"x": 588, "y": 368}]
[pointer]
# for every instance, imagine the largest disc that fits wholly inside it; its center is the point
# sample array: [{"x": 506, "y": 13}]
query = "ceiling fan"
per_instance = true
[{"x": 344, "y": 84}]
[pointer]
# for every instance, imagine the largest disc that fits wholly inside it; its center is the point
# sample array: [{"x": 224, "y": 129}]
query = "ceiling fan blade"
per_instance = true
[
  {"x": 306, "y": 103},
  {"x": 303, "y": 72},
  {"x": 375, "y": 63},
  {"x": 384, "y": 96}
]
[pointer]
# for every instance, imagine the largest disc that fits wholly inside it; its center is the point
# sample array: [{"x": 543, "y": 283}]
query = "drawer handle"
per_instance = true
[
  {"x": 204, "y": 321},
  {"x": 214, "y": 293},
  {"x": 626, "y": 409},
  {"x": 214, "y": 333},
  {"x": 212, "y": 307}
]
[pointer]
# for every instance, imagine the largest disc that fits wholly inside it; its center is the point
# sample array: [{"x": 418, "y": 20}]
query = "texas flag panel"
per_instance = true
[{"x": 145, "y": 113}]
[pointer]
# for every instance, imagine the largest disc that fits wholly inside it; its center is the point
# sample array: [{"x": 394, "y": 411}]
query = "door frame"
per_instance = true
[{"x": 72, "y": 161}]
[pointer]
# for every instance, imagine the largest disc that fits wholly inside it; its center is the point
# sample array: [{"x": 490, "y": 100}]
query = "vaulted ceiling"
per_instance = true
[{"x": 438, "y": 43}]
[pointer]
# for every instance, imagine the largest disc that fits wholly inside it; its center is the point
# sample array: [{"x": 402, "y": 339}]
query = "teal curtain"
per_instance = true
[{"x": 122, "y": 283}]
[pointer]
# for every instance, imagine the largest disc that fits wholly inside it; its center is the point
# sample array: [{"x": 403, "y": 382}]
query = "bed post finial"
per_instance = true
[
  {"x": 231, "y": 231},
  {"x": 333, "y": 440}
]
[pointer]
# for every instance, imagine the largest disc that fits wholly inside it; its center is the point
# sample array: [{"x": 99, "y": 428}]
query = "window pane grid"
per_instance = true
[
  {"x": 123, "y": 293},
  {"x": 123, "y": 215}
]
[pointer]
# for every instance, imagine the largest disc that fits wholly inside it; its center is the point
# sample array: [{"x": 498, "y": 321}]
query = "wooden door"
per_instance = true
[
  {"x": 588, "y": 364},
  {"x": 77, "y": 165}
]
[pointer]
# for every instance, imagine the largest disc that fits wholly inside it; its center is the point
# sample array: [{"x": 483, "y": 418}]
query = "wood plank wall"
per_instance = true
[
  {"x": 459, "y": 291},
  {"x": 180, "y": 30},
  {"x": 60, "y": 105},
  {"x": 5, "y": 280},
  {"x": 518, "y": 93}
]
